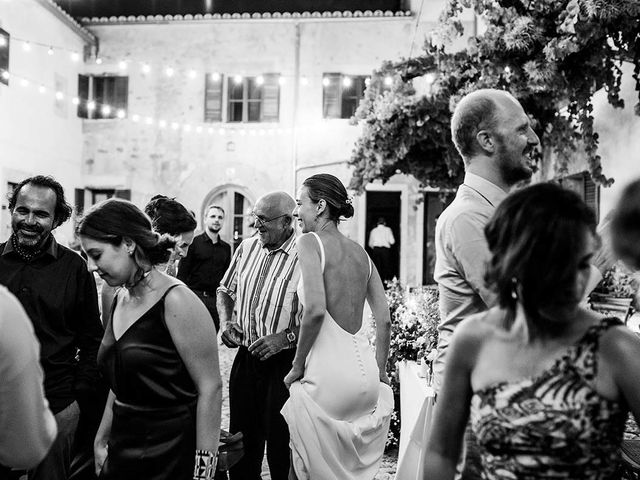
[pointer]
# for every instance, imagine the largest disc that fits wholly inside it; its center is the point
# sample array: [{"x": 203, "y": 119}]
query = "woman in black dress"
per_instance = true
[{"x": 159, "y": 355}]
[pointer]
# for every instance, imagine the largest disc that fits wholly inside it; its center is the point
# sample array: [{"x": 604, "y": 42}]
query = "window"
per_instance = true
[
  {"x": 586, "y": 188},
  {"x": 99, "y": 195},
  {"x": 4, "y": 55},
  {"x": 341, "y": 94},
  {"x": 213, "y": 97},
  {"x": 253, "y": 99},
  {"x": 109, "y": 94}
]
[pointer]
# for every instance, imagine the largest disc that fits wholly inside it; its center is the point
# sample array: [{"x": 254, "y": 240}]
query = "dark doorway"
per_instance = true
[
  {"x": 434, "y": 204},
  {"x": 386, "y": 205}
]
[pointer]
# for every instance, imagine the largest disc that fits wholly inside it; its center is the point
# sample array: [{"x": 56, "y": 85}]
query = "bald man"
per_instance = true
[{"x": 261, "y": 284}]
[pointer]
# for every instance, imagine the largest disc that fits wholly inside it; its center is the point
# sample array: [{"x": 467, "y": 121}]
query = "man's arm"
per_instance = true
[
  {"x": 89, "y": 334},
  {"x": 225, "y": 301}
]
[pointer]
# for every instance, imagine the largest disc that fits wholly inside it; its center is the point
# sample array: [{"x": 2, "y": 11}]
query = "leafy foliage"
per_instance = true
[{"x": 552, "y": 55}]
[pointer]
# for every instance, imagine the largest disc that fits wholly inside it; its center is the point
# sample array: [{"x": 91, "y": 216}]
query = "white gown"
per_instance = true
[{"x": 339, "y": 412}]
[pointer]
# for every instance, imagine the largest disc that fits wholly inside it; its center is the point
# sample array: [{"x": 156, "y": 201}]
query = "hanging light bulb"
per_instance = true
[
  {"x": 304, "y": 81},
  {"x": 98, "y": 61},
  {"x": 192, "y": 74},
  {"x": 148, "y": 121},
  {"x": 121, "y": 113},
  {"x": 169, "y": 71},
  {"x": 91, "y": 105},
  {"x": 50, "y": 51},
  {"x": 42, "y": 89},
  {"x": 135, "y": 118},
  {"x": 26, "y": 46},
  {"x": 59, "y": 95},
  {"x": 24, "y": 82},
  {"x": 388, "y": 81},
  {"x": 75, "y": 56},
  {"x": 5, "y": 75},
  {"x": 237, "y": 79},
  {"x": 215, "y": 77},
  {"x": 162, "y": 123},
  {"x": 105, "y": 110},
  {"x": 367, "y": 81},
  {"x": 75, "y": 101},
  {"x": 326, "y": 82},
  {"x": 146, "y": 68},
  {"x": 347, "y": 82},
  {"x": 259, "y": 80},
  {"x": 122, "y": 65},
  {"x": 175, "y": 125},
  {"x": 3, "y": 41},
  {"x": 282, "y": 80},
  {"x": 198, "y": 129}
]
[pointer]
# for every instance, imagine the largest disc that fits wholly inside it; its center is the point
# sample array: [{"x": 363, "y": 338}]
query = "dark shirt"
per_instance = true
[
  {"x": 205, "y": 264},
  {"x": 59, "y": 294}
]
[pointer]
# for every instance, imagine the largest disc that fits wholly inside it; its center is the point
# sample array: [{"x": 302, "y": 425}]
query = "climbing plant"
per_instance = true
[{"x": 552, "y": 55}]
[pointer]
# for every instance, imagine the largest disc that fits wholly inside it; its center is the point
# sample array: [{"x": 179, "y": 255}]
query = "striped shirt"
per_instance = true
[{"x": 263, "y": 284}]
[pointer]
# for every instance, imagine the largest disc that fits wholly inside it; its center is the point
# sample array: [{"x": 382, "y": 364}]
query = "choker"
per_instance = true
[
  {"x": 23, "y": 253},
  {"x": 136, "y": 282}
]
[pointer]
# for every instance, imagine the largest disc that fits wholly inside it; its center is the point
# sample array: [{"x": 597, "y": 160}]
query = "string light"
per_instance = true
[
  {"x": 121, "y": 113},
  {"x": 215, "y": 77},
  {"x": 169, "y": 71},
  {"x": 105, "y": 110},
  {"x": 5, "y": 75},
  {"x": 146, "y": 68},
  {"x": 3, "y": 41},
  {"x": 326, "y": 82},
  {"x": 237, "y": 79},
  {"x": 75, "y": 57},
  {"x": 50, "y": 51},
  {"x": 122, "y": 65},
  {"x": 75, "y": 101},
  {"x": 135, "y": 118},
  {"x": 282, "y": 80},
  {"x": 98, "y": 61},
  {"x": 192, "y": 74},
  {"x": 24, "y": 82},
  {"x": 259, "y": 80},
  {"x": 388, "y": 81},
  {"x": 347, "y": 82},
  {"x": 59, "y": 96},
  {"x": 304, "y": 81},
  {"x": 26, "y": 46},
  {"x": 91, "y": 105}
]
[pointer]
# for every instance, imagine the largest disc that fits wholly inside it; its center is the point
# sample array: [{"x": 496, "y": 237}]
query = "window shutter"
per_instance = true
[
  {"x": 270, "y": 98},
  {"x": 4, "y": 54},
  {"x": 592, "y": 195},
  {"x": 213, "y": 99},
  {"x": 124, "y": 194},
  {"x": 332, "y": 96},
  {"x": 83, "y": 95},
  {"x": 121, "y": 94}
]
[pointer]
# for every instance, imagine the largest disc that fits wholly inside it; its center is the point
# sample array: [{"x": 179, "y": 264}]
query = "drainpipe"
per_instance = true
[{"x": 296, "y": 96}]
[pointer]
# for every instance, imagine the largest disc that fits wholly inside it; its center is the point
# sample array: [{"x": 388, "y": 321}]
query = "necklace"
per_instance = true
[
  {"x": 24, "y": 254},
  {"x": 141, "y": 274}
]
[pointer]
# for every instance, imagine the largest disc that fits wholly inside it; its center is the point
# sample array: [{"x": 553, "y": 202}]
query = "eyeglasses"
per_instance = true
[{"x": 262, "y": 221}]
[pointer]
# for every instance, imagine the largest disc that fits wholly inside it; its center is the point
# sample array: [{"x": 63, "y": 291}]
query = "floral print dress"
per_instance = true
[{"x": 554, "y": 425}]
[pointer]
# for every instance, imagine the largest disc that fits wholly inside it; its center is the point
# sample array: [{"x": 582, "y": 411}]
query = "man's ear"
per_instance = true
[{"x": 485, "y": 141}]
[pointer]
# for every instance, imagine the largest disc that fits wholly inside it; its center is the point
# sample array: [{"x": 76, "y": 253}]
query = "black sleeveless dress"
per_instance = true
[{"x": 153, "y": 432}]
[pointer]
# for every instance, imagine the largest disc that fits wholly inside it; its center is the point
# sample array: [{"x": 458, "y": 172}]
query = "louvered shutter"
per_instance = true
[
  {"x": 592, "y": 195},
  {"x": 83, "y": 95},
  {"x": 213, "y": 99},
  {"x": 332, "y": 96},
  {"x": 270, "y": 98}
]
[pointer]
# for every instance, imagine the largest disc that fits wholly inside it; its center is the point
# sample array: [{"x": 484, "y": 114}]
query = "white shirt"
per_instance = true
[{"x": 381, "y": 236}]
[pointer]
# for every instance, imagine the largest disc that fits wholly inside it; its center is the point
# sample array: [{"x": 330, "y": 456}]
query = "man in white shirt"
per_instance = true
[
  {"x": 380, "y": 242},
  {"x": 27, "y": 426}
]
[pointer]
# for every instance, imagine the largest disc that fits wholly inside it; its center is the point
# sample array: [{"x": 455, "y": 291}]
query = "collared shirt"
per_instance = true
[
  {"x": 263, "y": 284},
  {"x": 205, "y": 264},
  {"x": 461, "y": 257},
  {"x": 381, "y": 236},
  {"x": 59, "y": 294}
]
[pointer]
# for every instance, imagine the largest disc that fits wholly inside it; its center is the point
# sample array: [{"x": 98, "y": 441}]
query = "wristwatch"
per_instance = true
[{"x": 291, "y": 337}]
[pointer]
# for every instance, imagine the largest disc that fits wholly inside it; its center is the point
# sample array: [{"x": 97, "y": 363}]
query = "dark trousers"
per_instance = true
[
  {"x": 256, "y": 396},
  {"x": 56, "y": 465},
  {"x": 381, "y": 257},
  {"x": 210, "y": 302}
]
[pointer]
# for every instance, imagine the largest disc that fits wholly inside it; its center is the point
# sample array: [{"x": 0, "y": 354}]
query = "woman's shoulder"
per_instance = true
[{"x": 482, "y": 326}]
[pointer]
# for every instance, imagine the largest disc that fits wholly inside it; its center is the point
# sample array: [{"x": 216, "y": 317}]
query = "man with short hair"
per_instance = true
[
  {"x": 493, "y": 135},
  {"x": 207, "y": 260},
  {"x": 380, "y": 242},
  {"x": 261, "y": 283},
  {"x": 59, "y": 295}
]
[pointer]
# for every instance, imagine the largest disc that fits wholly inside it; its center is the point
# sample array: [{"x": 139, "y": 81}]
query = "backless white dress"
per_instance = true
[{"x": 339, "y": 412}]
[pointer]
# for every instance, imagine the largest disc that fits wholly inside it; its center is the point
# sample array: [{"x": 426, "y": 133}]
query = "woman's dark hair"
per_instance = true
[
  {"x": 169, "y": 216},
  {"x": 327, "y": 187},
  {"x": 63, "y": 209},
  {"x": 114, "y": 219},
  {"x": 625, "y": 225},
  {"x": 535, "y": 238}
]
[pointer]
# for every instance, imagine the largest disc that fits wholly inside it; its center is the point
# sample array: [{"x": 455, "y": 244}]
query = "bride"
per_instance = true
[{"x": 340, "y": 401}]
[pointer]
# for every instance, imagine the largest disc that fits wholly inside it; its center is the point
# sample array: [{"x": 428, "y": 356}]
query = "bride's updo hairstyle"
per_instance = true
[
  {"x": 331, "y": 190},
  {"x": 112, "y": 220}
]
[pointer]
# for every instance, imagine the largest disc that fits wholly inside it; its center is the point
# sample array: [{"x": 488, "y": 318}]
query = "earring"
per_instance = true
[
  {"x": 514, "y": 288},
  {"x": 130, "y": 252}
]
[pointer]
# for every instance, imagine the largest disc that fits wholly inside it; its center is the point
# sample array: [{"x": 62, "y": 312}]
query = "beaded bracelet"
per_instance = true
[{"x": 205, "y": 466}]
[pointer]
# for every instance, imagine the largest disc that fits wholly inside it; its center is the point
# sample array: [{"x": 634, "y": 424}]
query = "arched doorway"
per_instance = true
[{"x": 237, "y": 203}]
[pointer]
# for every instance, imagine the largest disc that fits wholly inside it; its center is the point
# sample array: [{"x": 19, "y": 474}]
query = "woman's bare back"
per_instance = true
[{"x": 346, "y": 278}]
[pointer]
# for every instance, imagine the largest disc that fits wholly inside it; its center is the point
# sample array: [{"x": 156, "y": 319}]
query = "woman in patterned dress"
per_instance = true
[{"x": 546, "y": 384}]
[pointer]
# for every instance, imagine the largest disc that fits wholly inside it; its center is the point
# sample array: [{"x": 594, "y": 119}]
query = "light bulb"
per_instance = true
[
  {"x": 326, "y": 82},
  {"x": 50, "y": 51},
  {"x": 91, "y": 105},
  {"x": 105, "y": 110},
  {"x": 121, "y": 113}
]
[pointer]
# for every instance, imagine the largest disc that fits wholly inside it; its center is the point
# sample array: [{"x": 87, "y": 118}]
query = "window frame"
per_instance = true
[
  {"x": 330, "y": 105},
  {"x": 94, "y": 82}
]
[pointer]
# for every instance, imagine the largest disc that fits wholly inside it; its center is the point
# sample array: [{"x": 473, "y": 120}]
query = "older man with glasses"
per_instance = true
[{"x": 261, "y": 284}]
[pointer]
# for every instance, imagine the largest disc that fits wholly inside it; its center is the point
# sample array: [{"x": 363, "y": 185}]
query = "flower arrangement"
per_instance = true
[{"x": 414, "y": 335}]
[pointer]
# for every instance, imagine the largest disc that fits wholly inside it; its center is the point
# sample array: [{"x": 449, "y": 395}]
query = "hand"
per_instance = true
[
  {"x": 384, "y": 378},
  {"x": 294, "y": 374},
  {"x": 100, "y": 452},
  {"x": 232, "y": 335},
  {"x": 269, "y": 345}
]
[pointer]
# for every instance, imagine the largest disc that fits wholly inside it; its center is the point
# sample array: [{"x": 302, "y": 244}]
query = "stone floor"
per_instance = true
[{"x": 387, "y": 468}]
